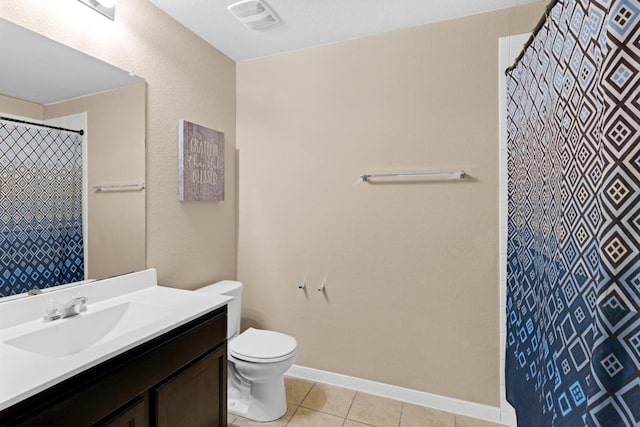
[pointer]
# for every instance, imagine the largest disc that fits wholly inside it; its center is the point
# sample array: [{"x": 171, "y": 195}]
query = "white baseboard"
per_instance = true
[{"x": 441, "y": 403}]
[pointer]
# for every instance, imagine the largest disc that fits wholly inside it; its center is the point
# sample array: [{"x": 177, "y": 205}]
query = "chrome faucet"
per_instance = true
[
  {"x": 70, "y": 308},
  {"x": 74, "y": 306}
]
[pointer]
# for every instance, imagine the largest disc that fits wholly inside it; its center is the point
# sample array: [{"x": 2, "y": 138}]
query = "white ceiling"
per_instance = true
[
  {"x": 40, "y": 70},
  {"x": 306, "y": 23}
]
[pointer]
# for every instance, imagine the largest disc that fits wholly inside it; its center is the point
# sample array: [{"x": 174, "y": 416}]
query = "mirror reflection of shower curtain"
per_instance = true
[{"x": 41, "y": 241}]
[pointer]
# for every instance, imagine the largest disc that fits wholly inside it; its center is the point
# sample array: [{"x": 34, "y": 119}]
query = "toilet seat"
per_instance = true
[{"x": 260, "y": 346}]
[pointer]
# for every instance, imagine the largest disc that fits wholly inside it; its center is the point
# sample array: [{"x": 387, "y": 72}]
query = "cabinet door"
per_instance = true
[
  {"x": 131, "y": 416},
  {"x": 196, "y": 397}
]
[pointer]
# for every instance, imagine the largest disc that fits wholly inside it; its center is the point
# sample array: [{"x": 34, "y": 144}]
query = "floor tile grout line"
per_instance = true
[
  {"x": 401, "y": 408},
  {"x": 300, "y": 405},
  {"x": 306, "y": 395},
  {"x": 308, "y": 392},
  {"x": 346, "y": 417},
  {"x": 292, "y": 415}
]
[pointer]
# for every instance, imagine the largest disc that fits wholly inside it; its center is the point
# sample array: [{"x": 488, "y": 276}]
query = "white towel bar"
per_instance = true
[
  {"x": 118, "y": 187},
  {"x": 459, "y": 174}
]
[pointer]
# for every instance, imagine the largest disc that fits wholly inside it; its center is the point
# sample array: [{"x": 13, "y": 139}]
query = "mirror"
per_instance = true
[{"x": 48, "y": 83}]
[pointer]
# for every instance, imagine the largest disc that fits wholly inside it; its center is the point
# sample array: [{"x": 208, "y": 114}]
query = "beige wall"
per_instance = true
[
  {"x": 115, "y": 155},
  {"x": 19, "y": 107},
  {"x": 411, "y": 269},
  {"x": 191, "y": 243}
]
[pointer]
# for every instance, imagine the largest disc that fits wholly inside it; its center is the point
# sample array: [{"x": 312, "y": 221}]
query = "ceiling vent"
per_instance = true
[{"x": 255, "y": 14}]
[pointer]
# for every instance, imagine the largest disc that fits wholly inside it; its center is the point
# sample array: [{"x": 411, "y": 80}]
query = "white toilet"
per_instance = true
[{"x": 257, "y": 360}]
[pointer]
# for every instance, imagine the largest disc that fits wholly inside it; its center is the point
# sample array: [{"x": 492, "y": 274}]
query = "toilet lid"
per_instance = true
[{"x": 261, "y": 345}]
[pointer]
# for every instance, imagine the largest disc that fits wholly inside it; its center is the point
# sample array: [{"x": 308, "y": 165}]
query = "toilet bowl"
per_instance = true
[{"x": 257, "y": 362}]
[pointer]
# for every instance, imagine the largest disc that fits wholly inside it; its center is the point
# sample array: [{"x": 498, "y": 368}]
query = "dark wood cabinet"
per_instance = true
[
  {"x": 178, "y": 402},
  {"x": 133, "y": 415},
  {"x": 177, "y": 379}
]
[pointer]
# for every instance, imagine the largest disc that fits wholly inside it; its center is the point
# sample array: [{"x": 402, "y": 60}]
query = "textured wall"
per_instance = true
[
  {"x": 411, "y": 269},
  {"x": 192, "y": 243}
]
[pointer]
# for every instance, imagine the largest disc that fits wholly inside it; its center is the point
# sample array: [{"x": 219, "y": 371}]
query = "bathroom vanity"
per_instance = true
[{"x": 149, "y": 356}]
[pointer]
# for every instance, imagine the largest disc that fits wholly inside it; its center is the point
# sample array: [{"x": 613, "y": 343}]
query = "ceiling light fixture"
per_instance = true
[
  {"x": 104, "y": 7},
  {"x": 255, "y": 14}
]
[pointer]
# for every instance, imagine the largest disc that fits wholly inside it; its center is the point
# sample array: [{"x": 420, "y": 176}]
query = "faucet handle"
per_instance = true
[
  {"x": 74, "y": 306},
  {"x": 83, "y": 303},
  {"x": 78, "y": 301},
  {"x": 82, "y": 300},
  {"x": 52, "y": 311}
]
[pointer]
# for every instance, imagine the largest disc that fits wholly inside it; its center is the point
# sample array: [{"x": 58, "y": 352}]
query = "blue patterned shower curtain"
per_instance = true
[
  {"x": 573, "y": 273},
  {"x": 41, "y": 242}
]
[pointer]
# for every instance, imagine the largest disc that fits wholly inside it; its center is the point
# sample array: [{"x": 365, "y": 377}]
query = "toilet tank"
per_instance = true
[{"x": 233, "y": 289}]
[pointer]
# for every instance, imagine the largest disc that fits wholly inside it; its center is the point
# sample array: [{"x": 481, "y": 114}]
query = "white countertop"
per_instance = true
[{"x": 24, "y": 373}]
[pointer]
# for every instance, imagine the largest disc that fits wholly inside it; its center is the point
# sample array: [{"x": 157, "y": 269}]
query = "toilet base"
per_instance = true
[{"x": 263, "y": 402}]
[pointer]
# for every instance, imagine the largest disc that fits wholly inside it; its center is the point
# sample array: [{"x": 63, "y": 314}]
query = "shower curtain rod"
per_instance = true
[
  {"x": 534, "y": 33},
  {"x": 9, "y": 119}
]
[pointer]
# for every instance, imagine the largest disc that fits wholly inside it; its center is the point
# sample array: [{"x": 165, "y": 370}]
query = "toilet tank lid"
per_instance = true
[
  {"x": 221, "y": 287},
  {"x": 262, "y": 345}
]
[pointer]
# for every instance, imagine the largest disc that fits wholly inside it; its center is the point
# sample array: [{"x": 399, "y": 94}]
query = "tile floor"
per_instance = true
[{"x": 319, "y": 405}]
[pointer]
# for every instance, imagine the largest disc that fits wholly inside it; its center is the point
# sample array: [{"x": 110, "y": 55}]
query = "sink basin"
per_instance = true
[{"x": 75, "y": 334}]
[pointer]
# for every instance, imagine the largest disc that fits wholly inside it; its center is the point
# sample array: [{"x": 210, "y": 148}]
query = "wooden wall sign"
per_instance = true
[{"x": 200, "y": 163}]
